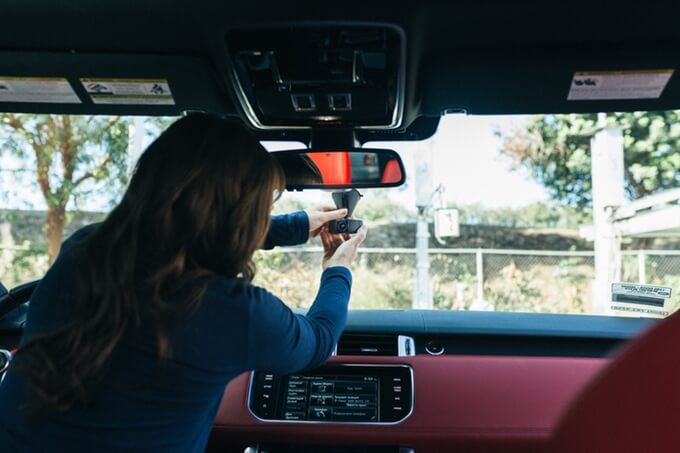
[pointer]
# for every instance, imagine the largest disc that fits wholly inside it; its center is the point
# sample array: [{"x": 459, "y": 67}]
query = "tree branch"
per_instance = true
[
  {"x": 43, "y": 162},
  {"x": 67, "y": 148},
  {"x": 92, "y": 173},
  {"x": 14, "y": 122},
  {"x": 115, "y": 120}
]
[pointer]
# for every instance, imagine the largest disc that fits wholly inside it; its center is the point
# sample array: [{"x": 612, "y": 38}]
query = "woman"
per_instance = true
[{"x": 143, "y": 319}]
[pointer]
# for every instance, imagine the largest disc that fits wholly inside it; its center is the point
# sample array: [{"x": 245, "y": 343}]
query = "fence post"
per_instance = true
[
  {"x": 423, "y": 287},
  {"x": 480, "y": 274},
  {"x": 606, "y": 149},
  {"x": 642, "y": 271}
]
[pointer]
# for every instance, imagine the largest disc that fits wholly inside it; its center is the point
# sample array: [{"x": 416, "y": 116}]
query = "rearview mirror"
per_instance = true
[{"x": 341, "y": 169}]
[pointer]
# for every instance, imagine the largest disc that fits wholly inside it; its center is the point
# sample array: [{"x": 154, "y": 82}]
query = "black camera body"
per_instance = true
[
  {"x": 341, "y": 226},
  {"x": 349, "y": 201}
]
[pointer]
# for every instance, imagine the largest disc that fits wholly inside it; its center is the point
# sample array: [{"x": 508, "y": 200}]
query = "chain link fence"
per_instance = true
[
  {"x": 461, "y": 279},
  {"x": 464, "y": 279}
]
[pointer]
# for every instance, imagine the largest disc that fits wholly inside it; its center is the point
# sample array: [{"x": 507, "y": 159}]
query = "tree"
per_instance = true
[
  {"x": 71, "y": 154},
  {"x": 556, "y": 150}
]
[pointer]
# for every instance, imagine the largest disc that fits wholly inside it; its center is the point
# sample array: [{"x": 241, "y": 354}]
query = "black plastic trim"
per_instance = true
[{"x": 502, "y": 333}]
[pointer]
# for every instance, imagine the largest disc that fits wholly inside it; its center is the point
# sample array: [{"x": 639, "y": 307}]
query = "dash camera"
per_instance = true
[{"x": 347, "y": 200}]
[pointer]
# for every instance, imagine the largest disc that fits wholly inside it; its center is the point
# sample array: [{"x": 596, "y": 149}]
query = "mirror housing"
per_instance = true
[{"x": 353, "y": 168}]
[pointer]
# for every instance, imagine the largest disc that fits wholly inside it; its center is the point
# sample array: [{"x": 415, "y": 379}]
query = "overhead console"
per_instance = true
[
  {"x": 349, "y": 76},
  {"x": 338, "y": 393}
]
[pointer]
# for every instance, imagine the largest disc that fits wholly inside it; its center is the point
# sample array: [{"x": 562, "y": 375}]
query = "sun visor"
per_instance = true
[
  {"x": 108, "y": 84},
  {"x": 554, "y": 81}
]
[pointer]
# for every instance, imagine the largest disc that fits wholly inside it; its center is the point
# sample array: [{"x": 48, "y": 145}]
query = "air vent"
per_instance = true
[{"x": 351, "y": 344}]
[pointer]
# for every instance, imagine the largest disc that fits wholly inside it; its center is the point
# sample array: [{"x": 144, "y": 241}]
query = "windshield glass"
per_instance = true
[
  {"x": 513, "y": 201},
  {"x": 537, "y": 213}
]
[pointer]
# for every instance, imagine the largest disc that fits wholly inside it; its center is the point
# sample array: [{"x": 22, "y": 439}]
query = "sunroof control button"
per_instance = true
[{"x": 303, "y": 102}]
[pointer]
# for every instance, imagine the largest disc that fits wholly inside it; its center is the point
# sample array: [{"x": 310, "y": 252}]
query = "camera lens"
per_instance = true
[{"x": 342, "y": 225}]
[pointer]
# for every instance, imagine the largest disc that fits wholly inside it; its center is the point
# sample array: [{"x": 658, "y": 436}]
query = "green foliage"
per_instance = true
[
  {"x": 514, "y": 290},
  {"x": 294, "y": 277},
  {"x": 155, "y": 125},
  {"x": 385, "y": 281},
  {"x": 555, "y": 149},
  {"x": 377, "y": 207},
  {"x": 574, "y": 277},
  {"x": 22, "y": 264},
  {"x": 72, "y": 156},
  {"x": 453, "y": 281}
]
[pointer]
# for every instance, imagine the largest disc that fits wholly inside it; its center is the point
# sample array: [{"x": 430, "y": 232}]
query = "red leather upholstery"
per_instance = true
[{"x": 633, "y": 405}]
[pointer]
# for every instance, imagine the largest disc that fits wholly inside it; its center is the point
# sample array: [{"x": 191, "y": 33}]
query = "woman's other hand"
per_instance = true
[
  {"x": 340, "y": 249},
  {"x": 318, "y": 217}
]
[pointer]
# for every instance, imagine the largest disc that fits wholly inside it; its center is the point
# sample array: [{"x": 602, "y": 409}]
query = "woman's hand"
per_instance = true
[
  {"x": 318, "y": 217},
  {"x": 340, "y": 249}
]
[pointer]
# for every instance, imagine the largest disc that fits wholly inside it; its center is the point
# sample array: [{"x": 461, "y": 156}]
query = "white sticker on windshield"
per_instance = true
[
  {"x": 52, "y": 90},
  {"x": 129, "y": 91},
  {"x": 640, "y": 300},
  {"x": 644, "y": 84}
]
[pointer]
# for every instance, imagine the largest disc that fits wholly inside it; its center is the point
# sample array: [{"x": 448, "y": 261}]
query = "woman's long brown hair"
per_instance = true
[{"x": 197, "y": 206}]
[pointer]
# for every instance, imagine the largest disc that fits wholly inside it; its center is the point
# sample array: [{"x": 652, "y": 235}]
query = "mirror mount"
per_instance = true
[
  {"x": 333, "y": 139},
  {"x": 347, "y": 199}
]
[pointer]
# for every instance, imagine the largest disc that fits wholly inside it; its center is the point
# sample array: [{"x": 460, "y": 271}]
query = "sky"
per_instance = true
[
  {"x": 465, "y": 160},
  {"x": 463, "y": 156}
]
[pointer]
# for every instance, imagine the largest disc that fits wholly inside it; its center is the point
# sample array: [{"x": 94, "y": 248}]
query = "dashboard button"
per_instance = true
[
  {"x": 321, "y": 400},
  {"x": 320, "y": 413},
  {"x": 294, "y": 415},
  {"x": 323, "y": 387},
  {"x": 434, "y": 347}
]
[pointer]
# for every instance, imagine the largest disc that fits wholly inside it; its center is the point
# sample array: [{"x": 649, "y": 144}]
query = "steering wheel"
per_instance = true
[
  {"x": 5, "y": 359},
  {"x": 11, "y": 299}
]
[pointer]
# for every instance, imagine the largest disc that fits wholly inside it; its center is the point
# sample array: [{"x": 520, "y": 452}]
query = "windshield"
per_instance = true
[{"x": 539, "y": 213}]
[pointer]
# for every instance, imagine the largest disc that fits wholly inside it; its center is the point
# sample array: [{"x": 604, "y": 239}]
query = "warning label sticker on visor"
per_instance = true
[
  {"x": 644, "y": 84},
  {"x": 52, "y": 90},
  {"x": 129, "y": 91}
]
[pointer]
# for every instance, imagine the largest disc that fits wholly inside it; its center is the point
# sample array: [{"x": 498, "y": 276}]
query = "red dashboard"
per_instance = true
[{"x": 461, "y": 403}]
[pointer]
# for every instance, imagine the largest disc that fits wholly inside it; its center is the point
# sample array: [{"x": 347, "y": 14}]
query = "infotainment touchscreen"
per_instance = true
[
  {"x": 334, "y": 393},
  {"x": 332, "y": 398}
]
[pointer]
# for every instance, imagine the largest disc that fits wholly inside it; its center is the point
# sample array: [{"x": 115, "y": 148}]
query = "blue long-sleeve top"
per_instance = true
[{"x": 236, "y": 328}]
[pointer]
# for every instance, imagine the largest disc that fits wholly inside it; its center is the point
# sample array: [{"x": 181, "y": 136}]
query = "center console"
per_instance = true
[{"x": 337, "y": 393}]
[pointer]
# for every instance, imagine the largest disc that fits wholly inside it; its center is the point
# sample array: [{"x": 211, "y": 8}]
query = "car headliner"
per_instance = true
[{"x": 481, "y": 57}]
